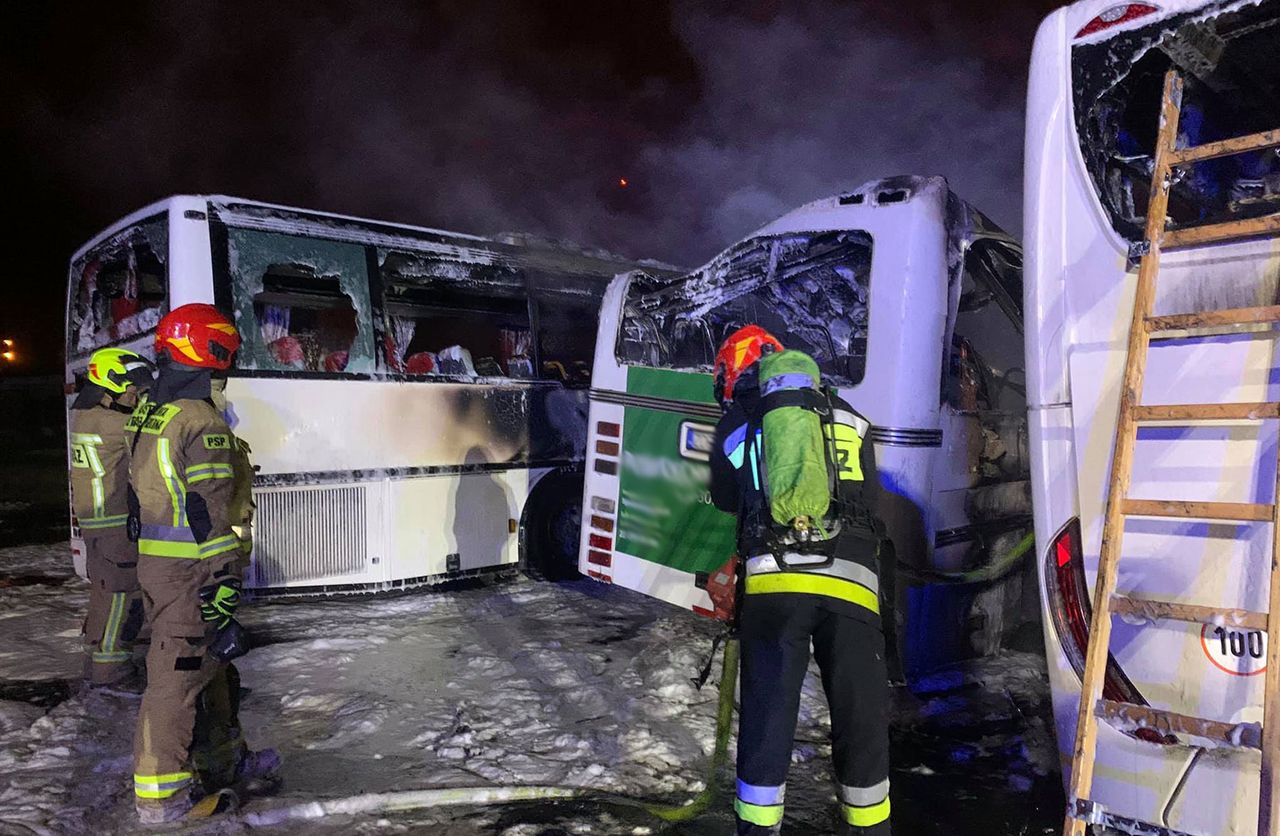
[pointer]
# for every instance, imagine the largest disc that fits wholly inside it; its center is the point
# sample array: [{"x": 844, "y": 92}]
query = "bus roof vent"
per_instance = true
[
  {"x": 852, "y": 199},
  {"x": 891, "y": 196}
]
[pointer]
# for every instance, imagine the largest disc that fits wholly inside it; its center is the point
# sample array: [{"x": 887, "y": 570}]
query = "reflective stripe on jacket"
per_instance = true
[
  {"x": 182, "y": 470},
  {"x": 99, "y": 467}
]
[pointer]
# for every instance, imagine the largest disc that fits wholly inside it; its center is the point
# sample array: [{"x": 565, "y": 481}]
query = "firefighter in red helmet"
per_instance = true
[
  {"x": 183, "y": 480},
  {"x": 802, "y": 590}
]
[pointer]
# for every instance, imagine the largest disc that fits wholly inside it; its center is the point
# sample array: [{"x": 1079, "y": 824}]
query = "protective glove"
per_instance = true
[{"x": 218, "y": 603}]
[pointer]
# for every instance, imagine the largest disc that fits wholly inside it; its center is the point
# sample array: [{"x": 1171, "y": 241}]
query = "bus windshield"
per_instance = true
[
  {"x": 118, "y": 287},
  {"x": 812, "y": 291},
  {"x": 1232, "y": 88}
]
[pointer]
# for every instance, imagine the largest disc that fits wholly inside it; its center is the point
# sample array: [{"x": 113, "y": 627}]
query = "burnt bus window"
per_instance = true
[
  {"x": 1232, "y": 88},
  {"x": 985, "y": 365},
  {"x": 568, "y": 308},
  {"x": 811, "y": 291},
  {"x": 447, "y": 318},
  {"x": 119, "y": 288},
  {"x": 301, "y": 304}
]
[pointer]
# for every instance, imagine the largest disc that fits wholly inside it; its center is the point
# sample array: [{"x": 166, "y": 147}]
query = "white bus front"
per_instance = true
[{"x": 1093, "y": 101}]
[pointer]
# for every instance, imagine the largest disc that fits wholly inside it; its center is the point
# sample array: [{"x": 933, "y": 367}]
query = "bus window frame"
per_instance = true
[
  {"x": 224, "y": 299},
  {"x": 73, "y": 352},
  {"x": 839, "y": 378},
  {"x": 384, "y": 306}
]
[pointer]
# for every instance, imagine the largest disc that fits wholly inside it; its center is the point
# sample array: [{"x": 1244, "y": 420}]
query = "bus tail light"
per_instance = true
[
  {"x": 1116, "y": 15},
  {"x": 1071, "y": 612},
  {"x": 600, "y": 539}
]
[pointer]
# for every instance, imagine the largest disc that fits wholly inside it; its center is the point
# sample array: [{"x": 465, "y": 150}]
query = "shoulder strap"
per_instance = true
[{"x": 808, "y": 399}]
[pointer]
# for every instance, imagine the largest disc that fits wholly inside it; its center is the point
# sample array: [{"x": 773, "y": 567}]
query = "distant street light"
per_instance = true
[{"x": 9, "y": 354}]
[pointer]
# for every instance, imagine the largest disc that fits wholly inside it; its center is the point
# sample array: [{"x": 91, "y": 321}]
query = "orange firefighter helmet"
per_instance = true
[
  {"x": 197, "y": 335},
  {"x": 739, "y": 351}
]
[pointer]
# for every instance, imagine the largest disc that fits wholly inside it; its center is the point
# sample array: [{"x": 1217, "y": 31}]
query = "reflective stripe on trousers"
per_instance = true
[
  {"x": 160, "y": 786},
  {"x": 759, "y": 805},
  {"x": 865, "y": 806},
  {"x": 843, "y": 579},
  {"x": 107, "y": 652}
]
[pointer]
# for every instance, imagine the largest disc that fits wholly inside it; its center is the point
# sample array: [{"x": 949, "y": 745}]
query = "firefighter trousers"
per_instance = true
[
  {"x": 188, "y": 733},
  {"x": 776, "y": 633},
  {"x": 114, "y": 620}
]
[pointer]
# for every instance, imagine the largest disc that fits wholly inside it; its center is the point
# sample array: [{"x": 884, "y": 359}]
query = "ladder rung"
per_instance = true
[
  {"x": 1207, "y": 412},
  {"x": 1228, "y": 318},
  {"x": 1243, "y": 735},
  {"x": 1225, "y": 148},
  {"x": 1146, "y": 608},
  {"x": 1086, "y": 810},
  {"x": 1231, "y": 511},
  {"x": 1194, "y": 236}
]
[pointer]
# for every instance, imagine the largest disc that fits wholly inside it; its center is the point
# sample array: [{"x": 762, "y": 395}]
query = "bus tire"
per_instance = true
[{"x": 550, "y": 529}]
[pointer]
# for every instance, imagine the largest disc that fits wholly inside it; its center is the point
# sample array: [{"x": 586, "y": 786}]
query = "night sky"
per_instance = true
[{"x": 486, "y": 117}]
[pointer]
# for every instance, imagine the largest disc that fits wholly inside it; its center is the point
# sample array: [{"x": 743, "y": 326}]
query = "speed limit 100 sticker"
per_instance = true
[{"x": 1237, "y": 652}]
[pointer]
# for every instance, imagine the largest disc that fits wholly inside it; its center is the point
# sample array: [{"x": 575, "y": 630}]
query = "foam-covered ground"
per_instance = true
[{"x": 577, "y": 685}]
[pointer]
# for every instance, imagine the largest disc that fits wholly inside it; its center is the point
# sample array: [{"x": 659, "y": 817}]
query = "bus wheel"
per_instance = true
[{"x": 552, "y": 522}]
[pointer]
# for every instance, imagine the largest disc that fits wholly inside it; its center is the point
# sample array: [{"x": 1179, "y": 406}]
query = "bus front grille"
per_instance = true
[{"x": 309, "y": 534}]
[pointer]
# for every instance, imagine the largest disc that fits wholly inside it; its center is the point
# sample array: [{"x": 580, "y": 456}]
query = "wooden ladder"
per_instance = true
[{"x": 1081, "y": 811}]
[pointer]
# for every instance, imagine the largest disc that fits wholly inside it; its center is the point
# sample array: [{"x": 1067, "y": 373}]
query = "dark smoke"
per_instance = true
[{"x": 486, "y": 116}]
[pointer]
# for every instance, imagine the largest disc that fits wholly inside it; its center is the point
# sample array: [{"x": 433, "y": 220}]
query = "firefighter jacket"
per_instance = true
[
  {"x": 842, "y": 568},
  {"x": 100, "y": 462},
  {"x": 182, "y": 472},
  {"x": 240, "y": 511}
]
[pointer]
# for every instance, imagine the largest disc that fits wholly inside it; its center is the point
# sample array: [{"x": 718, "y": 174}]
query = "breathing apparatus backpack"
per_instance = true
[{"x": 801, "y": 462}]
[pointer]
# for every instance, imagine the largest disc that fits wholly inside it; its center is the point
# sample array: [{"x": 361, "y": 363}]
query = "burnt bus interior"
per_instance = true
[
  {"x": 812, "y": 291},
  {"x": 1230, "y": 63}
]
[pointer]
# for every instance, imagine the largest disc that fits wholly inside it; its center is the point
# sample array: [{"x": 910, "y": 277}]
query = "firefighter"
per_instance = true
[
  {"x": 821, "y": 592},
  {"x": 183, "y": 475},
  {"x": 99, "y": 490}
]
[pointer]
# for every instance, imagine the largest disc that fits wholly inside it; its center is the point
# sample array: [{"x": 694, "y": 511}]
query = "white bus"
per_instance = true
[
  {"x": 1093, "y": 102},
  {"x": 415, "y": 400},
  {"x": 909, "y": 299}
]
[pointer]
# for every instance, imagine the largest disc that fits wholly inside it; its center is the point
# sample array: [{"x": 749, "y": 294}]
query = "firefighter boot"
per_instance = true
[
  {"x": 258, "y": 772},
  {"x": 154, "y": 811}
]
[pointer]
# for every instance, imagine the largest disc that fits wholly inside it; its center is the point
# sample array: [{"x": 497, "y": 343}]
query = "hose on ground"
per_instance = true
[
  {"x": 390, "y": 802},
  {"x": 983, "y": 574}
]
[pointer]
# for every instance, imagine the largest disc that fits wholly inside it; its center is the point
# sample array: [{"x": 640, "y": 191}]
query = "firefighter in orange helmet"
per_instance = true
[
  {"x": 183, "y": 474},
  {"x": 802, "y": 595},
  {"x": 114, "y": 381}
]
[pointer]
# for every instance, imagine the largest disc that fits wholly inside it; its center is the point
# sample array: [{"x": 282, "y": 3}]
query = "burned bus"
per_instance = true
[
  {"x": 910, "y": 301},
  {"x": 415, "y": 400}
]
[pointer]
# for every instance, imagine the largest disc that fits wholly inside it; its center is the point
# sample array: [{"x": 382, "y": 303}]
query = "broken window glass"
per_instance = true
[
  {"x": 985, "y": 368},
  {"x": 811, "y": 290},
  {"x": 452, "y": 318},
  {"x": 1232, "y": 88},
  {"x": 301, "y": 304},
  {"x": 568, "y": 310},
  {"x": 119, "y": 288}
]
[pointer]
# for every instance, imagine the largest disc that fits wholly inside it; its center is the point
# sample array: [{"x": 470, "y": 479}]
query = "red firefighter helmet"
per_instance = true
[
  {"x": 197, "y": 335},
  {"x": 742, "y": 348}
]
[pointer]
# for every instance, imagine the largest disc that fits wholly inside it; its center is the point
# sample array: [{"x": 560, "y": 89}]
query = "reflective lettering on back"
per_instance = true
[
  {"x": 78, "y": 456},
  {"x": 847, "y": 447},
  {"x": 152, "y": 420}
]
